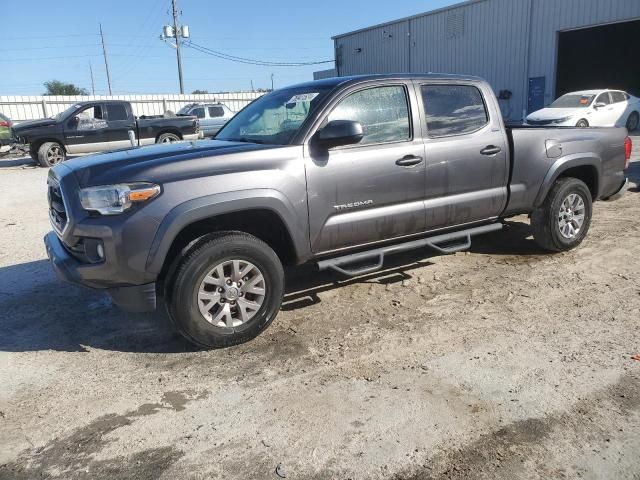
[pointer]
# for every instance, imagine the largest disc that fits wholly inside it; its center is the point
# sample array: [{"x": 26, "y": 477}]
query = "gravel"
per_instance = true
[{"x": 500, "y": 363}]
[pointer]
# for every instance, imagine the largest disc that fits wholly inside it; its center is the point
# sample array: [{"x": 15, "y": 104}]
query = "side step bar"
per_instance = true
[{"x": 441, "y": 243}]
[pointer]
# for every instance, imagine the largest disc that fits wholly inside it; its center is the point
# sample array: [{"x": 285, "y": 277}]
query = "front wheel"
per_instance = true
[
  {"x": 563, "y": 220},
  {"x": 50, "y": 154},
  {"x": 168, "y": 138},
  {"x": 582, "y": 123},
  {"x": 227, "y": 289},
  {"x": 633, "y": 121}
]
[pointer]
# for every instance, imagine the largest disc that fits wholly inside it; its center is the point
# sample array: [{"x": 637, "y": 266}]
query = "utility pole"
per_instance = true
[
  {"x": 106, "y": 63},
  {"x": 178, "y": 33},
  {"x": 93, "y": 85}
]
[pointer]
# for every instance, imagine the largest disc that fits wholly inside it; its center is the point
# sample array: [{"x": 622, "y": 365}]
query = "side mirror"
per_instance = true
[
  {"x": 600, "y": 105},
  {"x": 339, "y": 132}
]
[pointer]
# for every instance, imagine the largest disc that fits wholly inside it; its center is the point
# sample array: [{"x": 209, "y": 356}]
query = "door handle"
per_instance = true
[
  {"x": 409, "y": 161},
  {"x": 490, "y": 150}
]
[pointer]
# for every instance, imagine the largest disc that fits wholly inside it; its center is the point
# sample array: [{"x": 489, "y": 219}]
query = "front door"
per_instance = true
[
  {"x": 85, "y": 131},
  {"x": 466, "y": 154},
  {"x": 605, "y": 115},
  {"x": 373, "y": 190}
]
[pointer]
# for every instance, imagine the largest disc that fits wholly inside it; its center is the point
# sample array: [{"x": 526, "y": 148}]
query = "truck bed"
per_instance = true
[{"x": 528, "y": 143}]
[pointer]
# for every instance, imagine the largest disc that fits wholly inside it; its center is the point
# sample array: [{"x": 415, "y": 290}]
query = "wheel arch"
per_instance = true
[
  {"x": 587, "y": 169},
  {"x": 266, "y": 215},
  {"x": 36, "y": 144}
]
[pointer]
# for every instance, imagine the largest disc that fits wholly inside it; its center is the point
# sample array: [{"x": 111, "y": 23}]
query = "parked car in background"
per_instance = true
[
  {"x": 98, "y": 126},
  {"x": 333, "y": 172},
  {"x": 5, "y": 129},
  {"x": 212, "y": 116},
  {"x": 591, "y": 108}
]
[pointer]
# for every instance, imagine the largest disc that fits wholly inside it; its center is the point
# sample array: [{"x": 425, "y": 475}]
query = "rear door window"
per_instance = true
[
  {"x": 618, "y": 97},
  {"x": 453, "y": 109},
  {"x": 116, "y": 112},
  {"x": 383, "y": 113},
  {"x": 215, "y": 112}
]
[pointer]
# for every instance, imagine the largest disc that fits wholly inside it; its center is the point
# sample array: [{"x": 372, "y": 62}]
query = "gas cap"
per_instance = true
[{"x": 554, "y": 148}]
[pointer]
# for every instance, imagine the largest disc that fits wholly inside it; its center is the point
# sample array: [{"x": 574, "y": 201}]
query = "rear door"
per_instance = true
[
  {"x": 619, "y": 103},
  {"x": 119, "y": 120},
  {"x": 466, "y": 154},
  {"x": 85, "y": 132},
  {"x": 373, "y": 190},
  {"x": 217, "y": 118}
]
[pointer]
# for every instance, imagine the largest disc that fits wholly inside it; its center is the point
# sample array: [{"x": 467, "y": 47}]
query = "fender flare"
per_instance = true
[
  {"x": 562, "y": 165},
  {"x": 209, "y": 206}
]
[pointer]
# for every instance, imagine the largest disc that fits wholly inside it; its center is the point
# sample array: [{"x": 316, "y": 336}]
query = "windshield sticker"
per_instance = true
[{"x": 303, "y": 97}]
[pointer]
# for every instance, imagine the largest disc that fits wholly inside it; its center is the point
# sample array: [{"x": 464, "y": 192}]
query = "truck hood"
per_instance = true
[
  {"x": 555, "y": 113},
  {"x": 31, "y": 124},
  {"x": 156, "y": 163}
]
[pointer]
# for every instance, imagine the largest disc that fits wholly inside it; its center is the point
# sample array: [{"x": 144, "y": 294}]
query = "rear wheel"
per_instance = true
[
  {"x": 168, "y": 138},
  {"x": 633, "y": 121},
  {"x": 582, "y": 123},
  {"x": 50, "y": 154},
  {"x": 563, "y": 220},
  {"x": 226, "y": 290}
]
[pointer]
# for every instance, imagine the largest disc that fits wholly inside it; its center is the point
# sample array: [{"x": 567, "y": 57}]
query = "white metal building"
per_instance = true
[{"x": 530, "y": 50}]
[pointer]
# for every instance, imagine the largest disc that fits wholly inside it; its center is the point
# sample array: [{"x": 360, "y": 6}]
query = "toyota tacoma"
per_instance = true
[{"x": 338, "y": 172}]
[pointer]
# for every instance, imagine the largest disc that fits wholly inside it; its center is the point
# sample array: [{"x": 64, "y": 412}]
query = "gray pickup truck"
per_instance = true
[{"x": 340, "y": 172}]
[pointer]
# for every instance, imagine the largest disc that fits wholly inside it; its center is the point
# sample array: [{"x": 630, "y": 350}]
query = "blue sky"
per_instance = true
[{"x": 39, "y": 42}]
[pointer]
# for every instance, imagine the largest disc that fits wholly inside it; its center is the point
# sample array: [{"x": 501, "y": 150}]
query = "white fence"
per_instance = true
[{"x": 21, "y": 108}]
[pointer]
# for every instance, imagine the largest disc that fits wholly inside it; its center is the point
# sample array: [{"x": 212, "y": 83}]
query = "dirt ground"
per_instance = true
[{"x": 500, "y": 363}]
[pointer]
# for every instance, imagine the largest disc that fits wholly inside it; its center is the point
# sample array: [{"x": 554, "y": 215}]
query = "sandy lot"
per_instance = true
[{"x": 500, "y": 363}]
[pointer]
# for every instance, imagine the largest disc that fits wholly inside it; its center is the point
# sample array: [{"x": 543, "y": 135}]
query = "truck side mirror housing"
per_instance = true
[{"x": 339, "y": 132}]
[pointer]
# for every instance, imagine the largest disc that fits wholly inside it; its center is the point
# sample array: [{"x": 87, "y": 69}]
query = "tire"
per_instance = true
[
  {"x": 547, "y": 220},
  {"x": 197, "y": 265},
  {"x": 633, "y": 121},
  {"x": 168, "y": 138},
  {"x": 582, "y": 123},
  {"x": 50, "y": 154}
]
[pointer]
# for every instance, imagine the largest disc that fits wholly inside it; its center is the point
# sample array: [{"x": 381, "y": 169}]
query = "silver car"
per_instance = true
[{"x": 212, "y": 116}]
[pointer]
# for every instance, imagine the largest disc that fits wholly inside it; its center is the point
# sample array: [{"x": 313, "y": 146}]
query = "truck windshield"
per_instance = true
[
  {"x": 275, "y": 118},
  {"x": 573, "y": 101},
  {"x": 66, "y": 113}
]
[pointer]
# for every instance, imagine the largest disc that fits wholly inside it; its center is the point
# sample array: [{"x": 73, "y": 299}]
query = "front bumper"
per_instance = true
[
  {"x": 620, "y": 193},
  {"x": 132, "y": 298}
]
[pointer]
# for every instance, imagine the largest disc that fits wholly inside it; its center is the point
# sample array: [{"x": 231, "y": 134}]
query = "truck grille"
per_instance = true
[{"x": 57, "y": 209}]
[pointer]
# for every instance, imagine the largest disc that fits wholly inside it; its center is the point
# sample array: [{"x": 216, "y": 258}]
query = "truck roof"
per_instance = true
[{"x": 354, "y": 79}]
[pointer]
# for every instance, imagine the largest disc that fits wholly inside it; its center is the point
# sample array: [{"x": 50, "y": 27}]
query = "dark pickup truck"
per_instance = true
[
  {"x": 98, "y": 126},
  {"x": 340, "y": 172}
]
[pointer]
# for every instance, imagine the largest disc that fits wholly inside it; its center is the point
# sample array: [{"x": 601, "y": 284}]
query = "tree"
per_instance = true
[
  {"x": 56, "y": 87},
  {"x": 199, "y": 92}
]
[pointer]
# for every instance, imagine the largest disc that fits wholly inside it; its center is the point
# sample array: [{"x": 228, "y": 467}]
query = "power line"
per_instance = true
[{"x": 251, "y": 61}]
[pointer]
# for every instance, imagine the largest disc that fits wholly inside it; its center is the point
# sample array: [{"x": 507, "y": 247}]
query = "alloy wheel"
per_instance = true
[{"x": 231, "y": 293}]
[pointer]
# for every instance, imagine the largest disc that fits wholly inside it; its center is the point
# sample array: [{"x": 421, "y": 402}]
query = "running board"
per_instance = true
[{"x": 464, "y": 236}]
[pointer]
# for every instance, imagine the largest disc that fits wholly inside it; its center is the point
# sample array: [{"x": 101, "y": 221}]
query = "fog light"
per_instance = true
[{"x": 100, "y": 251}]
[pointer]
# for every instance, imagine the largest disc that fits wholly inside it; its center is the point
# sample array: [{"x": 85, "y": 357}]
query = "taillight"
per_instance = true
[
  {"x": 628, "y": 146},
  {"x": 4, "y": 124}
]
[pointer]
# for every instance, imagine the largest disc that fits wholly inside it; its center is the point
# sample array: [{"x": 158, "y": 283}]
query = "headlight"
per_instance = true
[
  {"x": 115, "y": 199},
  {"x": 561, "y": 120}
]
